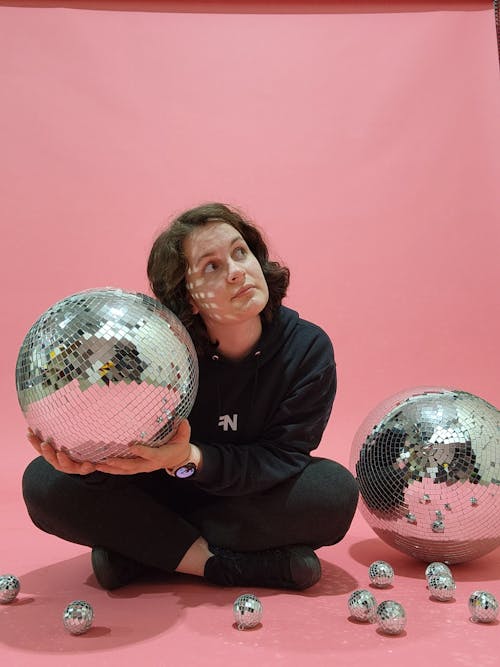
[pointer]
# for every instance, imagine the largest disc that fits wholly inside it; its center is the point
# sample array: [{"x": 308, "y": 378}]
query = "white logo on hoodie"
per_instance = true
[{"x": 226, "y": 421}]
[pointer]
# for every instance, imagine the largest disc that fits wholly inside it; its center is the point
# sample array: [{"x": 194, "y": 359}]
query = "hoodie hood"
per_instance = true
[{"x": 274, "y": 336}]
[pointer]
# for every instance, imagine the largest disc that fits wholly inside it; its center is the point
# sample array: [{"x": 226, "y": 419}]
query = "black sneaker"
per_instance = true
[
  {"x": 112, "y": 570},
  {"x": 295, "y": 567}
]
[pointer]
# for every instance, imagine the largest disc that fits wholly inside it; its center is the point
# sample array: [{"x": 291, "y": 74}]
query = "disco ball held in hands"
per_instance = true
[
  {"x": 104, "y": 368},
  {"x": 427, "y": 461}
]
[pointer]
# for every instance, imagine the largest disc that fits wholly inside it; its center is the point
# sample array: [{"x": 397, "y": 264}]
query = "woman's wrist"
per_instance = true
[
  {"x": 193, "y": 456},
  {"x": 196, "y": 456}
]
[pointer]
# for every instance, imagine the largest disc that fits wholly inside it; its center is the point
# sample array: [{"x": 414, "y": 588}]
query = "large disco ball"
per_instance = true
[
  {"x": 104, "y": 368},
  {"x": 427, "y": 461}
]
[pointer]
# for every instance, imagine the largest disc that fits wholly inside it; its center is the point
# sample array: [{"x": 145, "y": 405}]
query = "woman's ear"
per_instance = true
[{"x": 194, "y": 308}]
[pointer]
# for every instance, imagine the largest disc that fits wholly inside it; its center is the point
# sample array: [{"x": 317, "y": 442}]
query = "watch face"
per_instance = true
[{"x": 186, "y": 470}]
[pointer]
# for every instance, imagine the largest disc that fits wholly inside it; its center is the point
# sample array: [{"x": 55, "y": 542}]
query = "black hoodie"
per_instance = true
[{"x": 256, "y": 420}]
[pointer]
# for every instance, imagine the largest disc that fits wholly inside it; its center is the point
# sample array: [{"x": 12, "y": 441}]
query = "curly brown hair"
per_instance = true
[{"x": 167, "y": 265}]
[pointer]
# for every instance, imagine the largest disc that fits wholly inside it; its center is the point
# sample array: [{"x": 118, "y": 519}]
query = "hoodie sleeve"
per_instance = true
[{"x": 283, "y": 450}]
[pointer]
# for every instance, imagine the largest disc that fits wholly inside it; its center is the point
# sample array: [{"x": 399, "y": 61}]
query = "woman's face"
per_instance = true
[{"x": 224, "y": 279}]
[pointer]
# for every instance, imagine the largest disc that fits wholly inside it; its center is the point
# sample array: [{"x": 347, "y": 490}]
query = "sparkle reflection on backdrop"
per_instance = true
[{"x": 427, "y": 461}]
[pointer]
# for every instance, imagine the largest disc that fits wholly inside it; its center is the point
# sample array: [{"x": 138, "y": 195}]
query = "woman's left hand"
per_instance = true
[{"x": 148, "y": 459}]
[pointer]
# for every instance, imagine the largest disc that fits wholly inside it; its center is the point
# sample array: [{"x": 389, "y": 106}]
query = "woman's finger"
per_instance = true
[
  {"x": 86, "y": 468},
  {"x": 63, "y": 462},
  {"x": 49, "y": 454},
  {"x": 121, "y": 466},
  {"x": 34, "y": 442},
  {"x": 144, "y": 452}
]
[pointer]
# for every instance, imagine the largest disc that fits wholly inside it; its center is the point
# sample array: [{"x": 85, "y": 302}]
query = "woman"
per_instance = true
[{"x": 235, "y": 496}]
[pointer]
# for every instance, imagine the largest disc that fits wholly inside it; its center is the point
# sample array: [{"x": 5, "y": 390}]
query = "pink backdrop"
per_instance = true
[{"x": 364, "y": 139}]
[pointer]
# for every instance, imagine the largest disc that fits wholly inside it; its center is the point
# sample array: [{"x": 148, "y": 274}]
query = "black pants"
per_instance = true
[{"x": 154, "y": 518}]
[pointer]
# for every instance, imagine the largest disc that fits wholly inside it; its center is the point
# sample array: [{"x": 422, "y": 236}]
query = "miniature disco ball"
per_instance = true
[
  {"x": 436, "y": 569},
  {"x": 9, "y": 588},
  {"x": 381, "y": 574},
  {"x": 391, "y": 617},
  {"x": 103, "y": 369},
  {"x": 427, "y": 461},
  {"x": 483, "y": 607},
  {"x": 247, "y": 611},
  {"x": 362, "y": 605},
  {"x": 78, "y": 617},
  {"x": 441, "y": 586}
]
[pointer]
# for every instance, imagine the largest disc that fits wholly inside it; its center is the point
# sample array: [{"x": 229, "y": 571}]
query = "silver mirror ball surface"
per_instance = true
[
  {"x": 427, "y": 461},
  {"x": 9, "y": 588},
  {"x": 78, "y": 617},
  {"x": 105, "y": 368},
  {"x": 247, "y": 611}
]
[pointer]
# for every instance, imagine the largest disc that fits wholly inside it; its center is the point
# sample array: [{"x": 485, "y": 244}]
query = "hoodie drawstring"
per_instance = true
[
  {"x": 215, "y": 357},
  {"x": 257, "y": 356}
]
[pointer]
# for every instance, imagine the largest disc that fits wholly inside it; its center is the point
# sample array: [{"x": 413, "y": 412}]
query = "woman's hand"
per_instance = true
[
  {"x": 146, "y": 459},
  {"x": 59, "y": 459}
]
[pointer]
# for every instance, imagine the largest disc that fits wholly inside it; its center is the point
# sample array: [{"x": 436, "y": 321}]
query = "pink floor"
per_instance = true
[{"x": 187, "y": 620}]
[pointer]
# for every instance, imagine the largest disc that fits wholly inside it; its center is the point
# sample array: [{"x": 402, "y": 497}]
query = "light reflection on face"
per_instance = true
[{"x": 224, "y": 278}]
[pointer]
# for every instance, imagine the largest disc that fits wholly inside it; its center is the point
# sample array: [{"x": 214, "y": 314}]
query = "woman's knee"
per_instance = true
[
  {"x": 39, "y": 491},
  {"x": 348, "y": 489},
  {"x": 61, "y": 504},
  {"x": 34, "y": 481},
  {"x": 333, "y": 482},
  {"x": 335, "y": 492},
  {"x": 53, "y": 498}
]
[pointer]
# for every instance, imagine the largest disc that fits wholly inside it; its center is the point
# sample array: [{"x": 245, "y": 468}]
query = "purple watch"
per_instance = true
[{"x": 185, "y": 470}]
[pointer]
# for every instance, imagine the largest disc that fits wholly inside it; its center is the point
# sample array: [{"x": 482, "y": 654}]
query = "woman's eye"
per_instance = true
[
  {"x": 240, "y": 252},
  {"x": 209, "y": 267}
]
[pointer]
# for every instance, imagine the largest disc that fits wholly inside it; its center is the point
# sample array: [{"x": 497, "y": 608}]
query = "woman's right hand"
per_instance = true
[{"x": 58, "y": 459}]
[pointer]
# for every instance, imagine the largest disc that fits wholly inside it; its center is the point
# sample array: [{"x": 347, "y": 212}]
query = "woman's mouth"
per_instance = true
[{"x": 243, "y": 291}]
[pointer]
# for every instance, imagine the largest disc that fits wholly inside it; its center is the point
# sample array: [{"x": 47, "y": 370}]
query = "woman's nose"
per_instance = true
[{"x": 234, "y": 272}]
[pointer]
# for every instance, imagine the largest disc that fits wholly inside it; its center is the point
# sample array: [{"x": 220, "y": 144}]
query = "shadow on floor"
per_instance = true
[
  {"x": 33, "y": 622},
  {"x": 365, "y": 552}
]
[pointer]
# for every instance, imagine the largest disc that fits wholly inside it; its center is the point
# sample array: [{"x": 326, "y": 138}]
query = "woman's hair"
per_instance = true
[{"x": 167, "y": 265}]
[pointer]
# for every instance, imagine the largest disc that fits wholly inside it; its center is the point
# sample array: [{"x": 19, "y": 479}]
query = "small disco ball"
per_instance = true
[
  {"x": 362, "y": 605},
  {"x": 247, "y": 611},
  {"x": 104, "y": 368},
  {"x": 381, "y": 574},
  {"x": 437, "y": 568},
  {"x": 483, "y": 607},
  {"x": 9, "y": 588},
  {"x": 427, "y": 461},
  {"x": 78, "y": 617},
  {"x": 441, "y": 586},
  {"x": 391, "y": 617}
]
